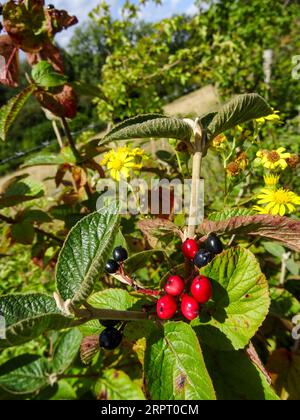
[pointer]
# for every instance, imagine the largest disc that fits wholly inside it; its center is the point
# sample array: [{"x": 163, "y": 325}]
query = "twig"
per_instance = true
[
  {"x": 284, "y": 259},
  {"x": 57, "y": 133},
  {"x": 90, "y": 313},
  {"x": 254, "y": 357},
  {"x": 196, "y": 177}
]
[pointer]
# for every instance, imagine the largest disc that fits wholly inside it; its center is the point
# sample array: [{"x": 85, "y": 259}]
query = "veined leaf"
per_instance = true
[
  {"x": 235, "y": 377},
  {"x": 116, "y": 385},
  {"x": 24, "y": 374},
  {"x": 27, "y": 316},
  {"x": 239, "y": 110},
  {"x": 174, "y": 365},
  {"x": 281, "y": 229},
  {"x": 240, "y": 301},
  {"x": 9, "y": 112},
  {"x": 147, "y": 126},
  {"x": 66, "y": 350},
  {"x": 227, "y": 214},
  {"x": 85, "y": 252}
]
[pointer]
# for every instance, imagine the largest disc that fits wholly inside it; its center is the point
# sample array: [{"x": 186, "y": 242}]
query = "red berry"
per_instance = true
[
  {"x": 189, "y": 307},
  {"x": 201, "y": 289},
  {"x": 174, "y": 286},
  {"x": 166, "y": 307},
  {"x": 190, "y": 248}
]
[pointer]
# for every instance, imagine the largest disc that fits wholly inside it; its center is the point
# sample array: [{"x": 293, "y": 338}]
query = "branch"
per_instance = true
[{"x": 90, "y": 313}]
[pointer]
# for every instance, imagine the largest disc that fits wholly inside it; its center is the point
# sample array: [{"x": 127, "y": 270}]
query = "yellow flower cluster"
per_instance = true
[
  {"x": 272, "y": 117},
  {"x": 123, "y": 161},
  {"x": 273, "y": 160}
]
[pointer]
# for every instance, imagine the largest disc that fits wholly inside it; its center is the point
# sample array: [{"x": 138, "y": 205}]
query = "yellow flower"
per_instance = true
[
  {"x": 274, "y": 159},
  {"x": 219, "y": 142},
  {"x": 122, "y": 161},
  {"x": 277, "y": 202},
  {"x": 271, "y": 180},
  {"x": 271, "y": 117}
]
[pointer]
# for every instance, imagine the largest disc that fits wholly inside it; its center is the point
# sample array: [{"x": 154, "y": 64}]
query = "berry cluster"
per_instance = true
[
  {"x": 110, "y": 338},
  {"x": 201, "y": 257},
  {"x": 119, "y": 256},
  {"x": 201, "y": 291}
]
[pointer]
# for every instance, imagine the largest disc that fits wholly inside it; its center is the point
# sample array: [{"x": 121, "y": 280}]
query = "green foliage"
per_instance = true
[
  {"x": 247, "y": 323},
  {"x": 240, "y": 303},
  {"x": 45, "y": 76},
  {"x": 9, "y": 112},
  {"x": 174, "y": 367},
  {"x": 79, "y": 268}
]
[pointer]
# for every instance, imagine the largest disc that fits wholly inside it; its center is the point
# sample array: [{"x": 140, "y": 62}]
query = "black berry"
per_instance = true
[
  {"x": 213, "y": 244},
  {"x": 109, "y": 323},
  {"x": 50, "y": 7},
  {"x": 110, "y": 339},
  {"x": 202, "y": 258},
  {"x": 112, "y": 267},
  {"x": 120, "y": 254}
]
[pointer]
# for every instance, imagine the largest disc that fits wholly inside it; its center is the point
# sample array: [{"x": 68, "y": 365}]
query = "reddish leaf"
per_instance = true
[
  {"x": 50, "y": 53},
  {"x": 281, "y": 229},
  {"x": 31, "y": 25},
  {"x": 9, "y": 75},
  {"x": 25, "y": 24},
  {"x": 59, "y": 20},
  {"x": 155, "y": 228},
  {"x": 61, "y": 104}
]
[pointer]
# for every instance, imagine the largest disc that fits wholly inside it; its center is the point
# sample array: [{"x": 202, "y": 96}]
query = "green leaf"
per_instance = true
[
  {"x": 45, "y": 75},
  {"x": 9, "y": 112},
  {"x": 38, "y": 216},
  {"x": 227, "y": 214},
  {"x": 239, "y": 110},
  {"x": 23, "y": 232},
  {"x": 280, "y": 229},
  {"x": 44, "y": 159},
  {"x": 66, "y": 349},
  {"x": 150, "y": 126},
  {"x": 174, "y": 365},
  {"x": 274, "y": 249},
  {"x": 20, "y": 190},
  {"x": 27, "y": 316},
  {"x": 283, "y": 303},
  {"x": 235, "y": 377},
  {"x": 116, "y": 385},
  {"x": 240, "y": 301},
  {"x": 83, "y": 257},
  {"x": 24, "y": 374}
]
